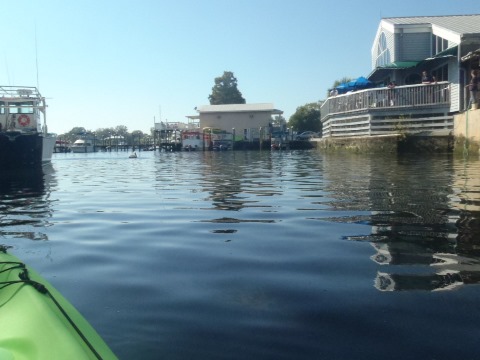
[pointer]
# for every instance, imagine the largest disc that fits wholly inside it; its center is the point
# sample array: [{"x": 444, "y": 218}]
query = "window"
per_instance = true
[
  {"x": 2, "y": 107},
  {"x": 438, "y": 44},
  {"x": 21, "y": 108},
  {"x": 383, "y": 54}
]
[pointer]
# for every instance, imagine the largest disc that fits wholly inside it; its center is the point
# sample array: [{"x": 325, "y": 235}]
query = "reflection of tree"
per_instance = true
[
  {"x": 412, "y": 218},
  {"x": 24, "y": 202},
  {"x": 225, "y": 179}
]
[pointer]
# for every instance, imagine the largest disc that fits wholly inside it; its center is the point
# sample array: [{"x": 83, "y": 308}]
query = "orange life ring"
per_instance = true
[{"x": 23, "y": 120}]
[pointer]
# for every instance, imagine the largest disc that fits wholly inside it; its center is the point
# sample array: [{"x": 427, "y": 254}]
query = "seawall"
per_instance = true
[
  {"x": 385, "y": 144},
  {"x": 465, "y": 137},
  {"x": 466, "y": 132}
]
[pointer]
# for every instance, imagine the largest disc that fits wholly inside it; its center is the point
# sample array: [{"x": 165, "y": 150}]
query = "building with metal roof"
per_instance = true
[
  {"x": 405, "y": 46},
  {"x": 245, "y": 118},
  {"x": 402, "y": 99}
]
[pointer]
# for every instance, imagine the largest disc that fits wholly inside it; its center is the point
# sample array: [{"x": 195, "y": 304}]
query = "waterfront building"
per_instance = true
[
  {"x": 245, "y": 120},
  {"x": 441, "y": 49}
]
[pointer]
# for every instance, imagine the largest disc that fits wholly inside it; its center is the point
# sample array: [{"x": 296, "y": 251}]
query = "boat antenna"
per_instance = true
[
  {"x": 36, "y": 55},
  {"x": 8, "y": 70}
]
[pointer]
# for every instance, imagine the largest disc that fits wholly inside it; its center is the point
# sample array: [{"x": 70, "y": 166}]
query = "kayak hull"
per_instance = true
[{"x": 37, "y": 322}]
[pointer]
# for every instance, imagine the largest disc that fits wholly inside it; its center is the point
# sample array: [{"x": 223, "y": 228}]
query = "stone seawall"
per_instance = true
[
  {"x": 387, "y": 144},
  {"x": 466, "y": 132},
  {"x": 464, "y": 139}
]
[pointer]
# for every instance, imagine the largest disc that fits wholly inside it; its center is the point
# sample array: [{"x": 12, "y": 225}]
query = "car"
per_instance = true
[{"x": 306, "y": 135}]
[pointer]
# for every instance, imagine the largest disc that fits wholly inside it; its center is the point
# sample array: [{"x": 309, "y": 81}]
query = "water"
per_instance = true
[{"x": 258, "y": 255}]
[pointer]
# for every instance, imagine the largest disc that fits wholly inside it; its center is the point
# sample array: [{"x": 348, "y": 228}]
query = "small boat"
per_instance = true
[
  {"x": 24, "y": 140},
  {"x": 82, "y": 146},
  {"x": 37, "y": 322},
  {"x": 192, "y": 140},
  {"x": 61, "y": 146},
  {"x": 133, "y": 155}
]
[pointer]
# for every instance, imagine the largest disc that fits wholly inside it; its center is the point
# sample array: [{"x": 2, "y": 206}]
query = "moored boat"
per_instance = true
[
  {"x": 38, "y": 322},
  {"x": 192, "y": 140},
  {"x": 24, "y": 140},
  {"x": 82, "y": 146}
]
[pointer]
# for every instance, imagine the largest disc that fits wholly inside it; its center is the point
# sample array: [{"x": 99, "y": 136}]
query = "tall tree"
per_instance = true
[
  {"x": 307, "y": 117},
  {"x": 225, "y": 90}
]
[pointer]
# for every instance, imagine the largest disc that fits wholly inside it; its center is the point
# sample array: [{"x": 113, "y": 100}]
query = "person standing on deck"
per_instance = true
[
  {"x": 473, "y": 88},
  {"x": 427, "y": 79}
]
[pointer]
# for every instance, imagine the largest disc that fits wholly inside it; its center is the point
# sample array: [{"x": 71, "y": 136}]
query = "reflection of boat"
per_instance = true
[
  {"x": 38, "y": 322},
  {"x": 23, "y": 138},
  {"x": 82, "y": 146},
  {"x": 25, "y": 199}
]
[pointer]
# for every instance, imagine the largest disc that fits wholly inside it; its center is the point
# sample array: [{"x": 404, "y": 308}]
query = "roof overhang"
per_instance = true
[
  {"x": 471, "y": 55},
  {"x": 381, "y": 71},
  {"x": 239, "y": 108}
]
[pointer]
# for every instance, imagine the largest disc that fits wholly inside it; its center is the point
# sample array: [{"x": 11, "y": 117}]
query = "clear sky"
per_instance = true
[{"x": 103, "y": 63}]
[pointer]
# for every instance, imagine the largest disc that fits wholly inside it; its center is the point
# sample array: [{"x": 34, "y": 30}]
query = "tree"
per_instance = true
[
  {"x": 225, "y": 90},
  {"x": 121, "y": 130},
  {"x": 279, "y": 120},
  {"x": 343, "y": 80},
  {"x": 307, "y": 117},
  {"x": 74, "y": 134}
]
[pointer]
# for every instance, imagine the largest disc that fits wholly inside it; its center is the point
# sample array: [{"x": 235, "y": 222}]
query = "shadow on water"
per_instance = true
[
  {"x": 423, "y": 214},
  {"x": 25, "y": 202}
]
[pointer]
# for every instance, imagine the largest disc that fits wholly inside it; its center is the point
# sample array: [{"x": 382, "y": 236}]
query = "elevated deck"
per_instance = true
[{"x": 413, "y": 109}]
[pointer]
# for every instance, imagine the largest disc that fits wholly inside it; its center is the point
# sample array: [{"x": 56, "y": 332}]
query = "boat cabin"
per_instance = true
[{"x": 20, "y": 109}]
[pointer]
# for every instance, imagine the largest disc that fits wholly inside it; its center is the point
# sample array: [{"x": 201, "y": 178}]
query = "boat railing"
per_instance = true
[{"x": 19, "y": 91}]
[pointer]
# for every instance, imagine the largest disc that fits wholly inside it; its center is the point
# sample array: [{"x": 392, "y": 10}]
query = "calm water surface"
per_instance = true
[{"x": 258, "y": 255}]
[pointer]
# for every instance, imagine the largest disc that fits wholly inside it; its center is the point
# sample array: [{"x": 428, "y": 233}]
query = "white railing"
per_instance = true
[
  {"x": 16, "y": 91},
  {"x": 412, "y": 109},
  {"x": 409, "y": 96}
]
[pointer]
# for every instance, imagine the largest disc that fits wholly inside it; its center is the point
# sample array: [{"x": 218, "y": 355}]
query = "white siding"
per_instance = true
[
  {"x": 455, "y": 87},
  {"x": 414, "y": 46}
]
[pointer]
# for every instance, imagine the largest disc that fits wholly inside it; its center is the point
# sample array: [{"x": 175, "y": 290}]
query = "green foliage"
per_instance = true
[
  {"x": 278, "y": 120},
  {"x": 105, "y": 133},
  {"x": 307, "y": 117},
  {"x": 225, "y": 90},
  {"x": 345, "y": 79}
]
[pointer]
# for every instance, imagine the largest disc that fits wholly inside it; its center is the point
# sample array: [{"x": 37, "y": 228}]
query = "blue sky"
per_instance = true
[{"x": 108, "y": 63}]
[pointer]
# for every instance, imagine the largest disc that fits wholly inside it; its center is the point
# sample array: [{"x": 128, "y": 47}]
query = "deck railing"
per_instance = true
[
  {"x": 409, "y": 96},
  {"x": 414, "y": 109}
]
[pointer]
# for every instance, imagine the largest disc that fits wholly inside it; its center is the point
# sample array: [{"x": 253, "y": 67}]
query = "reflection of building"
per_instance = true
[
  {"x": 420, "y": 213},
  {"x": 445, "y": 271},
  {"x": 432, "y": 282}
]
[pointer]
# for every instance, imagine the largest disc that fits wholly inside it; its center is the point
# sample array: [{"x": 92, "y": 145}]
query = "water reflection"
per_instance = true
[
  {"x": 423, "y": 215},
  {"x": 234, "y": 178},
  {"x": 25, "y": 202}
]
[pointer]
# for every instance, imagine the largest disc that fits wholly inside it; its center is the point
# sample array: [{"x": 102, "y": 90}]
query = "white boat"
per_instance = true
[
  {"x": 24, "y": 140},
  {"x": 82, "y": 146},
  {"x": 192, "y": 140}
]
